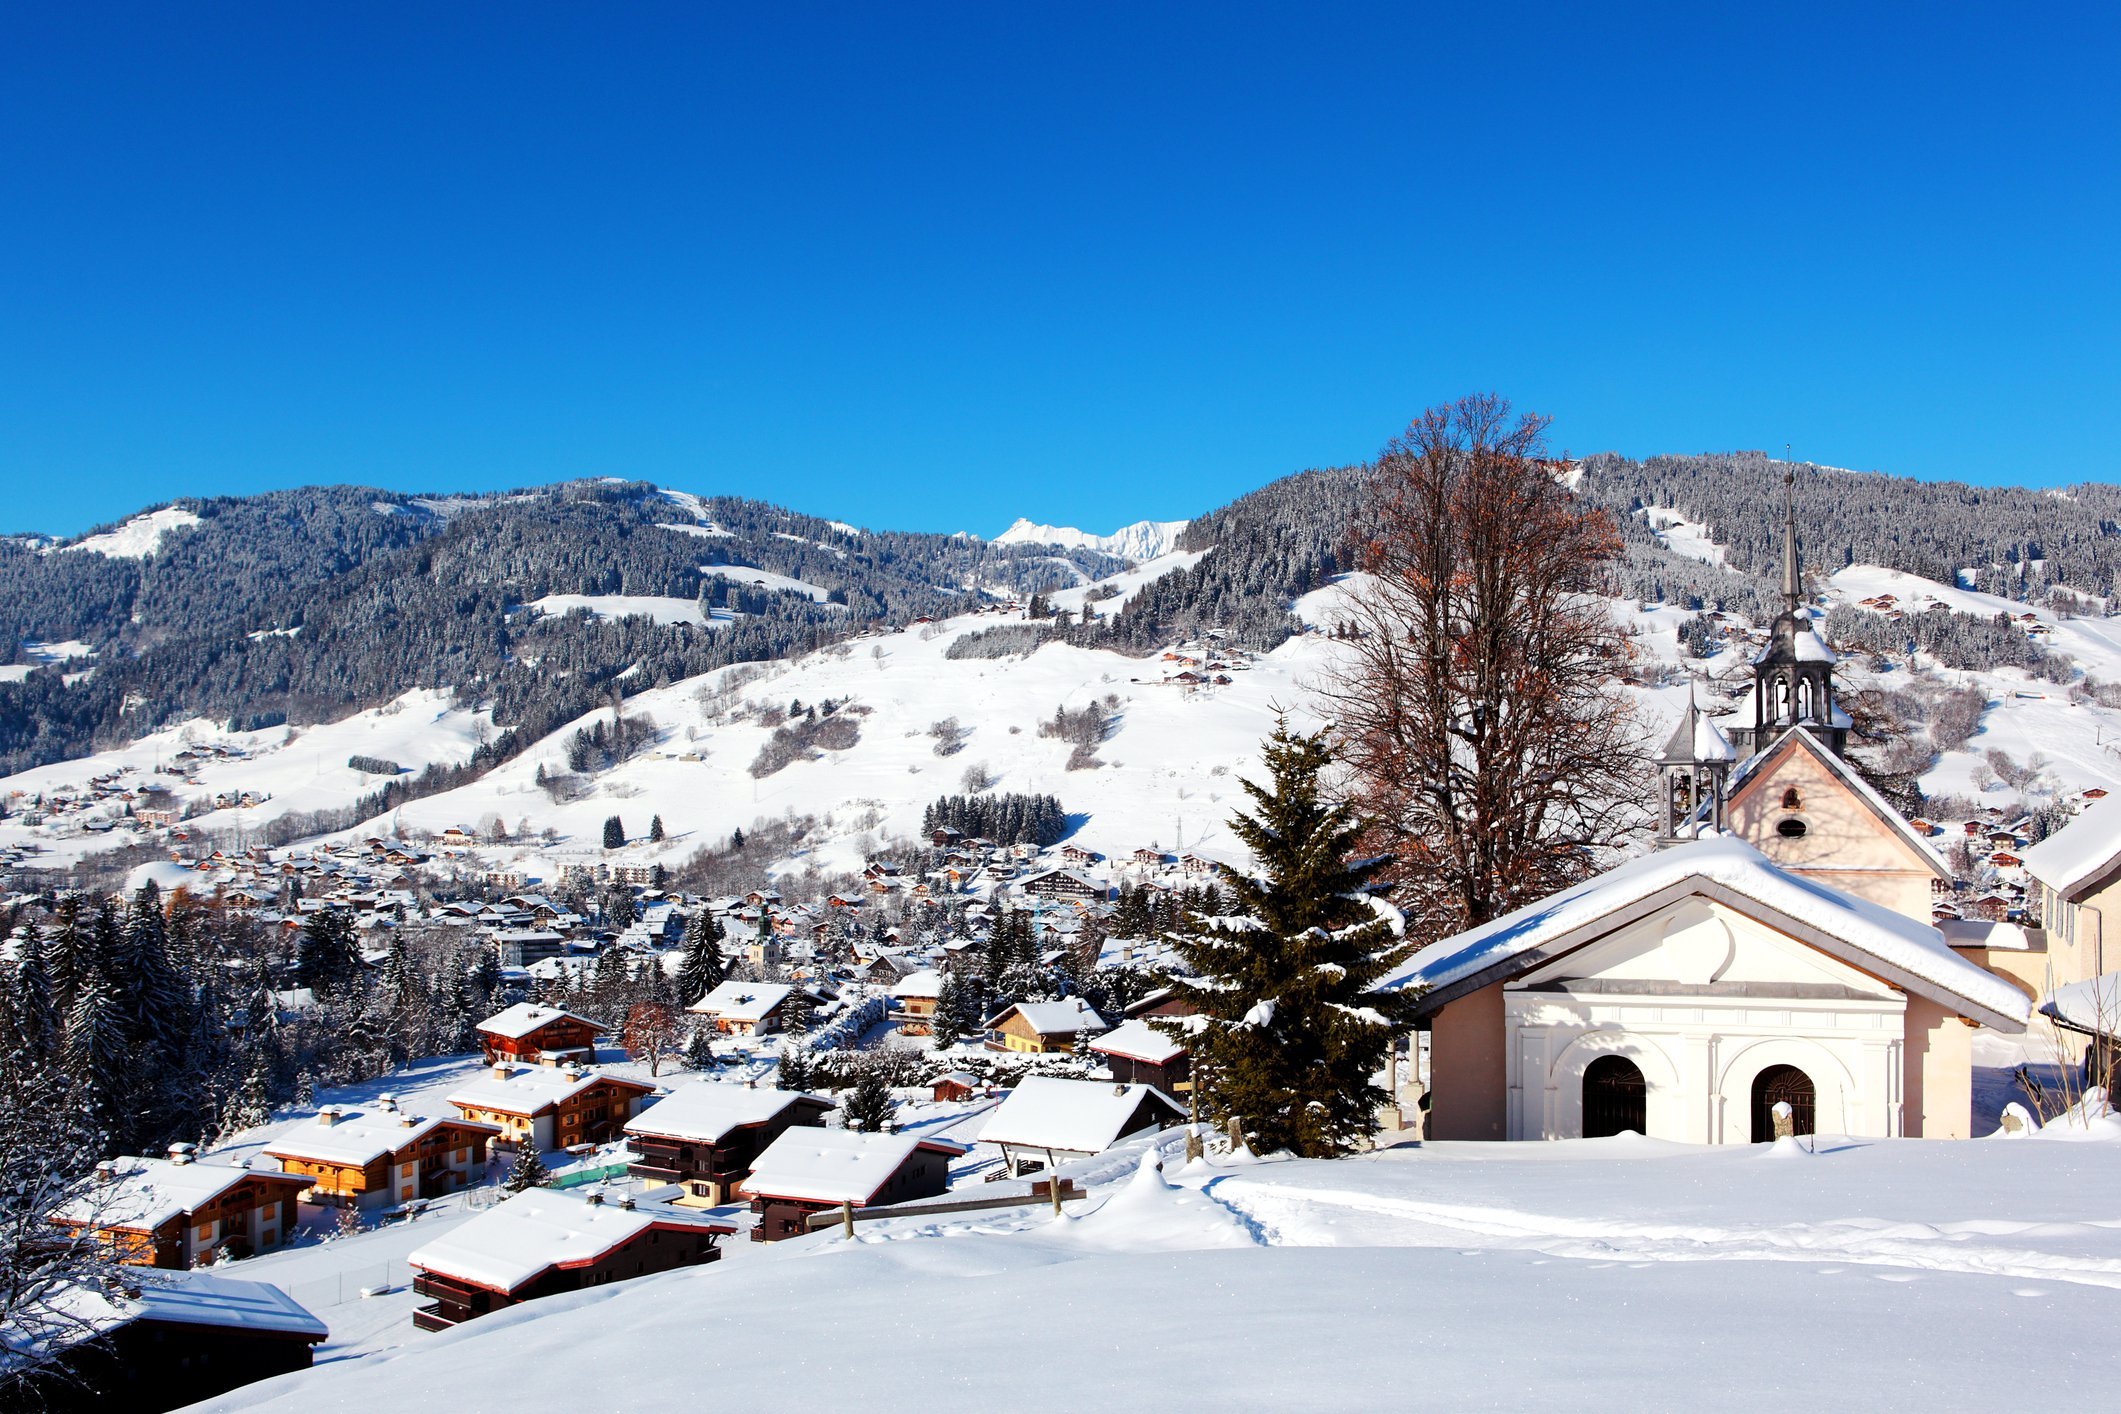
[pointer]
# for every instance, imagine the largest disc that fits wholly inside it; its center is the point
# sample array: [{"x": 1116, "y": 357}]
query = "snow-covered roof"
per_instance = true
[
  {"x": 205, "y": 1299},
  {"x": 146, "y": 1193},
  {"x": 706, "y": 1111},
  {"x": 2093, "y": 1005},
  {"x": 743, "y": 1001},
  {"x": 1061, "y": 1018},
  {"x": 530, "y": 1089},
  {"x": 2081, "y": 850},
  {"x": 523, "y": 1018},
  {"x": 1801, "y": 739},
  {"x": 84, "y": 1311},
  {"x": 519, "y": 1238},
  {"x": 1138, "y": 1040},
  {"x": 1982, "y": 933},
  {"x": 1904, "y": 951},
  {"x": 1697, "y": 738},
  {"x": 835, "y": 1165},
  {"x": 360, "y": 1137},
  {"x": 926, "y": 983},
  {"x": 1080, "y": 1116}
]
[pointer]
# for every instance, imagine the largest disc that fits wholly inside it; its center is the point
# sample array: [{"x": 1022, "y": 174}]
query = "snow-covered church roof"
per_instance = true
[{"x": 1898, "y": 949}]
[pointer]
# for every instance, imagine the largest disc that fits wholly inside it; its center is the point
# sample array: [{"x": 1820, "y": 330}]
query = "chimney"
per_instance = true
[
  {"x": 328, "y": 1116},
  {"x": 106, "y": 1172},
  {"x": 181, "y": 1153},
  {"x": 388, "y": 1102},
  {"x": 409, "y": 1121},
  {"x": 627, "y": 1202},
  {"x": 502, "y": 1070},
  {"x": 595, "y": 1198}
]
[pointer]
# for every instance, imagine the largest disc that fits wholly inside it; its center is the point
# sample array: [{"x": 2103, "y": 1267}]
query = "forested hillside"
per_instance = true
[
  {"x": 305, "y": 605},
  {"x": 2020, "y": 543}
]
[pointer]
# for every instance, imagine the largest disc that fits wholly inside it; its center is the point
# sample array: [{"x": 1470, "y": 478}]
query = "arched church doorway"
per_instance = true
[
  {"x": 1615, "y": 1098},
  {"x": 1774, "y": 1085}
]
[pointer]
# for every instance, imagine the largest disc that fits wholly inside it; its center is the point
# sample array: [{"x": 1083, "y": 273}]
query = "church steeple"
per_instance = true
[
  {"x": 1792, "y": 582},
  {"x": 1793, "y": 678},
  {"x": 1693, "y": 776}
]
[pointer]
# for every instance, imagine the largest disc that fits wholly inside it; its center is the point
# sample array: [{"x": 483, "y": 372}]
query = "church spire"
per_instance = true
[{"x": 1792, "y": 584}]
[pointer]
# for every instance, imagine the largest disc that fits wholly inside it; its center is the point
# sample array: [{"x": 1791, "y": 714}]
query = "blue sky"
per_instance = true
[{"x": 933, "y": 267}]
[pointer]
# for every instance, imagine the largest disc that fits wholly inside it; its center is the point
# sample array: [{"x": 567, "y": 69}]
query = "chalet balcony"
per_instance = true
[{"x": 430, "y": 1318}]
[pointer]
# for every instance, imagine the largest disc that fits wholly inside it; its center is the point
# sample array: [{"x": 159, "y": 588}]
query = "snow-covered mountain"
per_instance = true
[{"x": 1143, "y": 540}]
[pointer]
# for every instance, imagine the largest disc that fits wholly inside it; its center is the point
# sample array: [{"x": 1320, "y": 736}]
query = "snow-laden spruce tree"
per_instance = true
[
  {"x": 869, "y": 1106},
  {"x": 529, "y": 1169},
  {"x": 1289, "y": 1030}
]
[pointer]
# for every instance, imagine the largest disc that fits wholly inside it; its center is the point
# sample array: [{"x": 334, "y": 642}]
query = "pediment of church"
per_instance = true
[{"x": 1704, "y": 946}]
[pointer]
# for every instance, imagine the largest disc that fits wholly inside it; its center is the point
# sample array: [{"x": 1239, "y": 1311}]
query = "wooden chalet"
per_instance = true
[
  {"x": 545, "y": 1241},
  {"x": 174, "y": 1342},
  {"x": 1061, "y": 884},
  {"x": 745, "y": 1008},
  {"x": 808, "y": 1171},
  {"x": 552, "y": 1107},
  {"x": 958, "y": 1085},
  {"x": 540, "y": 1035},
  {"x": 706, "y": 1135},
  {"x": 1047, "y": 1120},
  {"x": 1042, "y": 1028},
  {"x": 176, "y": 1212},
  {"x": 1138, "y": 1054},
  {"x": 914, "y": 997},
  {"x": 385, "y": 1156}
]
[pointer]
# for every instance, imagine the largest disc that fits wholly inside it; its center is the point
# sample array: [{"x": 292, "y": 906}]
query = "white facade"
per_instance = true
[{"x": 1702, "y": 998}]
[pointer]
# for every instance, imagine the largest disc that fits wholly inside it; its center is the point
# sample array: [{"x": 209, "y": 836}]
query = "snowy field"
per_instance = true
[
  {"x": 1616, "y": 1273},
  {"x": 662, "y": 608},
  {"x": 299, "y": 768}
]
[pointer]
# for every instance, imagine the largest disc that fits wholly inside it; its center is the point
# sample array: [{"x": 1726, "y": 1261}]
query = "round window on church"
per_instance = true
[{"x": 1791, "y": 829}]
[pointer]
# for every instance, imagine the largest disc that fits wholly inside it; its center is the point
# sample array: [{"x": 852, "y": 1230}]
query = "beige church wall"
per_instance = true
[
  {"x": 1845, "y": 845},
  {"x": 1939, "y": 1083},
  {"x": 1468, "y": 1068}
]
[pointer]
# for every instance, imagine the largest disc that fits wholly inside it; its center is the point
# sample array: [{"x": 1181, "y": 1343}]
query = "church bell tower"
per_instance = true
[{"x": 1793, "y": 678}]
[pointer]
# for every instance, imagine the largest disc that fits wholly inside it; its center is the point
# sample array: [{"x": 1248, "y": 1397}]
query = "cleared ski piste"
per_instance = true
[{"x": 1620, "y": 1273}]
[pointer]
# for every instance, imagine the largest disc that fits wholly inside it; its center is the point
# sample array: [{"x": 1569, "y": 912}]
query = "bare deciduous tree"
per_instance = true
[{"x": 1479, "y": 711}]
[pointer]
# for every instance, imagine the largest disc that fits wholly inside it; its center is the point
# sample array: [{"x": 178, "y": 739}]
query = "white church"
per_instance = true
[{"x": 1777, "y": 946}]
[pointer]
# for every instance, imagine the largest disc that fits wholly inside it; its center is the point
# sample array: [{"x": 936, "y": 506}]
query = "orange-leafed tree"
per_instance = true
[
  {"x": 1479, "y": 708},
  {"x": 651, "y": 1032}
]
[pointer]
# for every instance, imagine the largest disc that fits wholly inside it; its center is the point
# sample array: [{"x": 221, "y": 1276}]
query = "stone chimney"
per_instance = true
[
  {"x": 181, "y": 1153},
  {"x": 502, "y": 1070},
  {"x": 409, "y": 1121},
  {"x": 388, "y": 1102},
  {"x": 328, "y": 1116},
  {"x": 106, "y": 1172}
]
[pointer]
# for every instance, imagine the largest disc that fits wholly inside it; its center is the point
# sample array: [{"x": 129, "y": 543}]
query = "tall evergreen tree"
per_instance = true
[
  {"x": 655, "y": 829},
  {"x": 97, "y": 1059},
  {"x": 614, "y": 832},
  {"x": 702, "y": 968},
  {"x": 34, "y": 1016},
  {"x": 327, "y": 957},
  {"x": 1291, "y": 1030}
]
